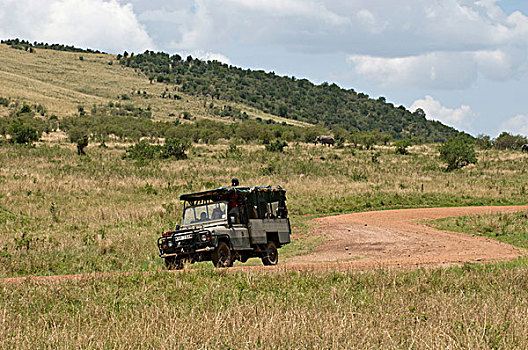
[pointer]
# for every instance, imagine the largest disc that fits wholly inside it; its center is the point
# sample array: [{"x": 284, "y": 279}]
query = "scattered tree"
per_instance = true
[
  {"x": 458, "y": 152},
  {"x": 402, "y": 145}
]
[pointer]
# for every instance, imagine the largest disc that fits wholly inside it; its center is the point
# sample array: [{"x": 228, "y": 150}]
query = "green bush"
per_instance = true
[
  {"x": 277, "y": 146},
  {"x": 4, "y": 101},
  {"x": 401, "y": 146},
  {"x": 508, "y": 141},
  {"x": 143, "y": 150},
  {"x": 174, "y": 148},
  {"x": 22, "y": 133},
  {"x": 458, "y": 152}
]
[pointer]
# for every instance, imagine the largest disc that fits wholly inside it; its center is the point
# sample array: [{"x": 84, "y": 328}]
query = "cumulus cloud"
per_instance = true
[
  {"x": 444, "y": 44},
  {"x": 516, "y": 125},
  {"x": 452, "y": 44},
  {"x": 433, "y": 70},
  {"x": 461, "y": 118},
  {"x": 210, "y": 56},
  {"x": 447, "y": 44},
  {"x": 105, "y": 25}
]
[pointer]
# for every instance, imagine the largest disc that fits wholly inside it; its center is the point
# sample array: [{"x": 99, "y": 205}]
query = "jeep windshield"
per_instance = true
[{"x": 201, "y": 214}]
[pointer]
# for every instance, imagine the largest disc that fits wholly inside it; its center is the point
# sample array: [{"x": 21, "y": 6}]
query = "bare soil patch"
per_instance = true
[{"x": 401, "y": 238}]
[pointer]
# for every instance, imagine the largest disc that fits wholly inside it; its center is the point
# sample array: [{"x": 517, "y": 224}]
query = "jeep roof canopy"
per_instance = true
[{"x": 272, "y": 194}]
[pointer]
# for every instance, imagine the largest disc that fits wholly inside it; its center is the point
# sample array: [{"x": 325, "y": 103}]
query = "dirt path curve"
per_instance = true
[
  {"x": 377, "y": 239},
  {"x": 398, "y": 237}
]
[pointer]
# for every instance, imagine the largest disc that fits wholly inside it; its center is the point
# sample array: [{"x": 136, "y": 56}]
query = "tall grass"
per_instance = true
[
  {"x": 473, "y": 306},
  {"x": 61, "y": 213}
]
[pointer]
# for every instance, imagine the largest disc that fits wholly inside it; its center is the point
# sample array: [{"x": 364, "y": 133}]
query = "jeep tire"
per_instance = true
[
  {"x": 222, "y": 256},
  {"x": 271, "y": 255}
]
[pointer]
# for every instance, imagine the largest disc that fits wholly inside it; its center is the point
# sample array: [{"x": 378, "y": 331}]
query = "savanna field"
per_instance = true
[
  {"x": 100, "y": 215},
  {"x": 66, "y": 214}
]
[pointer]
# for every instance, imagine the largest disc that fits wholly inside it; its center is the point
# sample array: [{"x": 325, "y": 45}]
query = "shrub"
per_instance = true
[
  {"x": 174, "y": 148},
  {"x": 26, "y": 109},
  {"x": 458, "y": 152},
  {"x": 483, "y": 142},
  {"x": 277, "y": 146},
  {"x": 143, "y": 150},
  {"x": 82, "y": 143},
  {"x": 22, "y": 133},
  {"x": 375, "y": 157},
  {"x": 79, "y": 136},
  {"x": 401, "y": 146},
  {"x": 508, "y": 141}
]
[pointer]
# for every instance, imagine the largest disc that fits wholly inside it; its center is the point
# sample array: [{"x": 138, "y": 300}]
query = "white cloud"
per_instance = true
[
  {"x": 445, "y": 44},
  {"x": 516, "y": 125},
  {"x": 98, "y": 24},
  {"x": 460, "y": 118},
  {"x": 308, "y": 9},
  {"x": 370, "y": 22},
  {"x": 433, "y": 70},
  {"x": 210, "y": 56}
]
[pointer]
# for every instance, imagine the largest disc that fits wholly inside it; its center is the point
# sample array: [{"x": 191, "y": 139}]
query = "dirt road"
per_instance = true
[
  {"x": 381, "y": 239},
  {"x": 398, "y": 237}
]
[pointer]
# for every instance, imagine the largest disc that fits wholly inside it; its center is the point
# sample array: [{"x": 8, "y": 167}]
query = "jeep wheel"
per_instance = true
[
  {"x": 174, "y": 263},
  {"x": 271, "y": 256},
  {"x": 222, "y": 256}
]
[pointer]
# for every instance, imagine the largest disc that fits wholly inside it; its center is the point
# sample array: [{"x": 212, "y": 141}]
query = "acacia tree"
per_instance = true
[{"x": 458, "y": 152}]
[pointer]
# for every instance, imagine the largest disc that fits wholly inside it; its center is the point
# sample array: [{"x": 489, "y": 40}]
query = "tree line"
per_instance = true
[
  {"x": 325, "y": 105},
  {"x": 28, "y": 46}
]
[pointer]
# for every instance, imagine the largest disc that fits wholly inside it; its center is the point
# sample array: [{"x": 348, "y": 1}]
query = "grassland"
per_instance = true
[
  {"x": 62, "y": 214},
  {"x": 474, "y": 306},
  {"x": 507, "y": 228},
  {"x": 62, "y": 82}
]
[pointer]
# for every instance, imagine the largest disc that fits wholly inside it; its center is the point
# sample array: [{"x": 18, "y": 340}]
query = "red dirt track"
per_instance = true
[
  {"x": 399, "y": 238},
  {"x": 380, "y": 239}
]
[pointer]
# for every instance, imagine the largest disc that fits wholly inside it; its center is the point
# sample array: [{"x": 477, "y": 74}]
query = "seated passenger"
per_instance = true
[
  {"x": 203, "y": 216},
  {"x": 217, "y": 214}
]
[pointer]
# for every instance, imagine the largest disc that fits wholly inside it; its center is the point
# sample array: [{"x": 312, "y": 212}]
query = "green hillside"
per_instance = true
[
  {"x": 65, "y": 80},
  {"x": 325, "y": 105}
]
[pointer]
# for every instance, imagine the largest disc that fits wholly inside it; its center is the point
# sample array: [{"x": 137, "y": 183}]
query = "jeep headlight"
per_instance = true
[
  {"x": 203, "y": 237},
  {"x": 169, "y": 244}
]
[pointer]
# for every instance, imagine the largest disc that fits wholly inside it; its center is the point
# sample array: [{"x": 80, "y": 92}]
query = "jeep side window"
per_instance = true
[{"x": 275, "y": 209}]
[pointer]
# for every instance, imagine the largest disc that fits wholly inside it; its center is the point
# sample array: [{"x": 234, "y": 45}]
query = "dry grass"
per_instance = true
[
  {"x": 471, "y": 307},
  {"x": 62, "y": 82}
]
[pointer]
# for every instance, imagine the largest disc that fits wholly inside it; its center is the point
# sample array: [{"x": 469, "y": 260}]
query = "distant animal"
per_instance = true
[
  {"x": 325, "y": 140},
  {"x": 524, "y": 148}
]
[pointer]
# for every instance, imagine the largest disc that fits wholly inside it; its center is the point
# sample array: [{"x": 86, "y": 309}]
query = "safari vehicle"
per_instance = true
[{"x": 228, "y": 224}]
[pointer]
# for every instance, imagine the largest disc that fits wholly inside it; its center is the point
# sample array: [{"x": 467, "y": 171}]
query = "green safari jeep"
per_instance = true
[{"x": 227, "y": 224}]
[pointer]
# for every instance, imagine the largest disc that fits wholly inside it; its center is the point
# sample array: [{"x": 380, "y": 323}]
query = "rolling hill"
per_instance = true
[{"x": 63, "y": 79}]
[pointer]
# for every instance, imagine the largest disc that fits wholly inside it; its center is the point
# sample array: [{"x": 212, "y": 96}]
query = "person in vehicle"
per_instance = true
[
  {"x": 234, "y": 210},
  {"x": 203, "y": 216},
  {"x": 217, "y": 214}
]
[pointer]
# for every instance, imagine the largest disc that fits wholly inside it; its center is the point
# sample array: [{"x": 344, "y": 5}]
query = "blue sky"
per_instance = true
[{"x": 464, "y": 62}]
